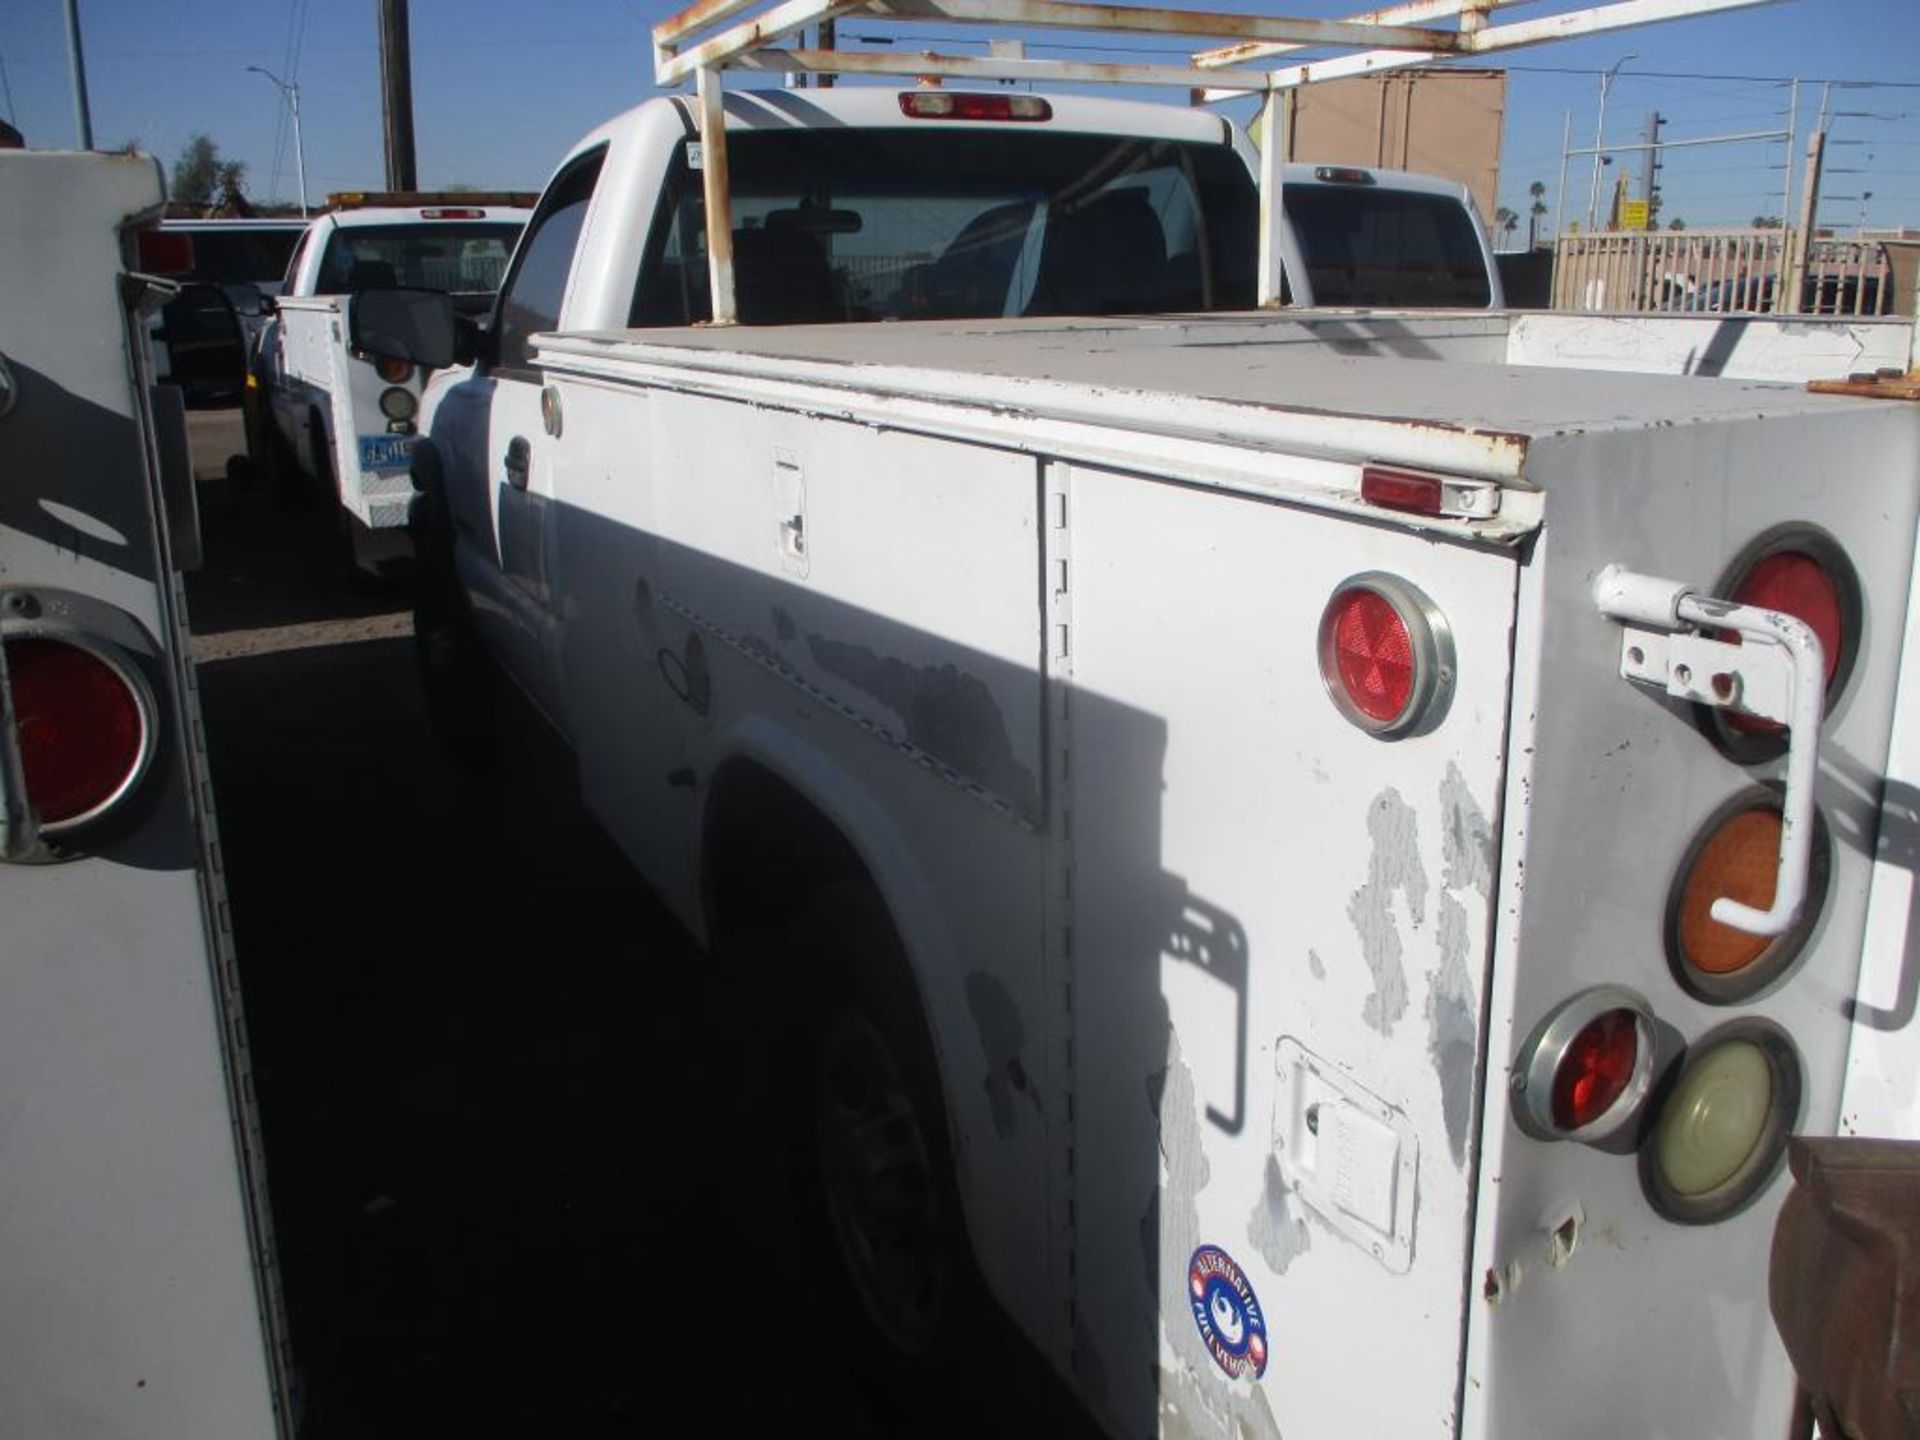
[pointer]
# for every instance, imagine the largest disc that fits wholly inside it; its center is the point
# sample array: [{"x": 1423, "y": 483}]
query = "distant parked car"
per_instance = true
[{"x": 1830, "y": 294}]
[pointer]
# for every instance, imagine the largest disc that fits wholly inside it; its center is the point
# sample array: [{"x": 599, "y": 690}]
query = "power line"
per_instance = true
[
  {"x": 13, "y": 116},
  {"x": 1697, "y": 75}
]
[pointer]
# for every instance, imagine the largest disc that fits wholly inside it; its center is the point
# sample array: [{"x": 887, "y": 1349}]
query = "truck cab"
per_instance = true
[{"x": 870, "y": 204}]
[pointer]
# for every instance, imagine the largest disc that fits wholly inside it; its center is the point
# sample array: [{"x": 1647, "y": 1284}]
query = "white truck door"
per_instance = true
[
  {"x": 1280, "y": 932},
  {"x": 522, "y": 428}
]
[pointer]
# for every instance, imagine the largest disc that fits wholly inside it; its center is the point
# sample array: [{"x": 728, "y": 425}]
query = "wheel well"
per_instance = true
[{"x": 766, "y": 850}]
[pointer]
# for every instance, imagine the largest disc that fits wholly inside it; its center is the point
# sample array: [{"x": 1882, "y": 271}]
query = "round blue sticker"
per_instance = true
[{"x": 1227, "y": 1312}]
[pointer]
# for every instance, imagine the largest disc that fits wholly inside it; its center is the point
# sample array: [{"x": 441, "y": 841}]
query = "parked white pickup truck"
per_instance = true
[
  {"x": 316, "y": 410},
  {"x": 1316, "y": 861}
]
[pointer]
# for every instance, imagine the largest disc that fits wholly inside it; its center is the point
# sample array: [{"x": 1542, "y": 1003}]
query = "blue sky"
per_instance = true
[{"x": 501, "y": 89}]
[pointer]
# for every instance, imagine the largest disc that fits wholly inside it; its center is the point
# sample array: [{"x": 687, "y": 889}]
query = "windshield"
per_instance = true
[
  {"x": 905, "y": 224},
  {"x": 1367, "y": 246},
  {"x": 433, "y": 257}
]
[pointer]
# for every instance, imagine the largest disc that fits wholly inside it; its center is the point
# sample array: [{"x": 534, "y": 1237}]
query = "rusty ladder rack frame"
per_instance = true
[{"x": 1393, "y": 38}]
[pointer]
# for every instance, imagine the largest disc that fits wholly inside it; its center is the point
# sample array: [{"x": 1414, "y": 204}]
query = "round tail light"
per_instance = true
[
  {"x": 84, "y": 724},
  {"x": 1737, "y": 854},
  {"x": 1386, "y": 655},
  {"x": 1803, "y": 572},
  {"x": 1722, "y": 1128},
  {"x": 398, "y": 404},
  {"x": 394, "y": 372},
  {"x": 1586, "y": 1068}
]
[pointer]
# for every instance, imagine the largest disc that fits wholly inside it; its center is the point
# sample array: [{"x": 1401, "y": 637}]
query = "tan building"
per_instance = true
[{"x": 1438, "y": 122}]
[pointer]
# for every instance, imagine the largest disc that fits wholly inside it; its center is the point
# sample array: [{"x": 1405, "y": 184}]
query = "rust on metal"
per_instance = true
[
  {"x": 1844, "y": 1283},
  {"x": 717, "y": 192},
  {"x": 727, "y": 47},
  {"x": 1392, "y": 15},
  {"x": 695, "y": 18},
  {"x": 849, "y": 62},
  {"x": 1149, "y": 19},
  {"x": 1893, "y": 386}
]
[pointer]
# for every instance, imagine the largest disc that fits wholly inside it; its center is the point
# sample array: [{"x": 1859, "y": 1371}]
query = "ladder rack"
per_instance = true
[{"x": 714, "y": 36}]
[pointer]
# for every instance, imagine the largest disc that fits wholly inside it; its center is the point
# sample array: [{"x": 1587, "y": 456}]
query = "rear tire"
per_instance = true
[
  {"x": 872, "y": 1160},
  {"x": 272, "y": 458},
  {"x": 320, "y": 459}
]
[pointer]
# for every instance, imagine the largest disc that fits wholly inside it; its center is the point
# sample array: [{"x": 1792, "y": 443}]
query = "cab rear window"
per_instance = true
[
  {"x": 1389, "y": 248},
  {"x": 922, "y": 224}
]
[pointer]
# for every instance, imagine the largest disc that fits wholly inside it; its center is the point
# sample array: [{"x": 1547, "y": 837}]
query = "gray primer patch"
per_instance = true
[
  {"x": 1195, "y": 1398},
  {"x": 1170, "y": 1228},
  {"x": 1002, "y": 1037},
  {"x": 1276, "y": 1232},
  {"x": 1468, "y": 839},
  {"x": 1193, "y": 1407},
  {"x": 948, "y": 713},
  {"x": 1316, "y": 965},
  {"x": 1396, "y": 865},
  {"x": 1452, "y": 1026}
]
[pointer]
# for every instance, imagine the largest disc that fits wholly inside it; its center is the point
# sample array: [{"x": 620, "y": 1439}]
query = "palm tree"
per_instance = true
[
  {"x": 1505, "y": 221},
  {"x": 1538, "y": 191}
]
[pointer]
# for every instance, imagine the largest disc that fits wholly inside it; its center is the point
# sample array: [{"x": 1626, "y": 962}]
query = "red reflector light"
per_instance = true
[
  {"x": 1585, "y": 1071},
  {"x": 81, "y": 725},
  {"x": 1596, "y": 1069},
  {"x": 394, "y": 372},
  {"x": 1374, "y": 654},
  {"x": 962, "y": 105},
  {"x": 165, "y": 252},
  {"x": 1343, "y": 175},
  {"x": 453, "y": 214},
  {"x": 1386, "y": 655},
  {"x": 1401, "y": 490}
]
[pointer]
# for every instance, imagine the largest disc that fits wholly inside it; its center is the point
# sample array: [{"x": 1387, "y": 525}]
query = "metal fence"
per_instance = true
[{"x": 1718, "y": 270}]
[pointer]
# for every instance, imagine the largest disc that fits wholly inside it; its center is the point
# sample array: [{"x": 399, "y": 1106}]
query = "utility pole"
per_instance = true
[
  {"x": 1794, "y": 281},
  {"x": 1649, "y": 186},
  {"x": 290, "y": 92},
  {"x": 396, "y": 95},
  {"x": 1560, "y": 192},
  {"x": 82, "y": 119}
]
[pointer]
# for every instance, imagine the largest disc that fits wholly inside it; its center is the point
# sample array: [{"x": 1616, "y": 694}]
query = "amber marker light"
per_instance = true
[{"x": 1737, "y": 854}]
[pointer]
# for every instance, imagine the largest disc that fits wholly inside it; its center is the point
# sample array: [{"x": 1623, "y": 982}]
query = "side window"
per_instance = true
[{"x": 530, "y": 303}]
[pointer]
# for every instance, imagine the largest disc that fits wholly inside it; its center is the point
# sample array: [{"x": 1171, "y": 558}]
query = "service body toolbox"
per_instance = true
[
  {"x": 1330, "y": 804},
  {"x": 138, "y": 1298}
]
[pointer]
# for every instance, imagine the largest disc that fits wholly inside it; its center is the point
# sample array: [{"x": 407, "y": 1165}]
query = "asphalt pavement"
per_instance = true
[{"x": 521, "y": 1160}]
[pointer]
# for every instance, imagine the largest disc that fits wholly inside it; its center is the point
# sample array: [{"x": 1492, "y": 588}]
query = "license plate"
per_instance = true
[{"x": 385, "y": 452}]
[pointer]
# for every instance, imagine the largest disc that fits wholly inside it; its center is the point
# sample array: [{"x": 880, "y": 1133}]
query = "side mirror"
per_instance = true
[
  {"x": 412, "y": 325},
  {"x": 472, "y": 341},
  {"x": 247, "y": 300}
]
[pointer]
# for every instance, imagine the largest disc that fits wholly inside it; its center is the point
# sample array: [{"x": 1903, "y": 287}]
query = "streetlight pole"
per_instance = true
[
  {"x": 290, "y": 90},
  {"x": 1599, "y": 134}
]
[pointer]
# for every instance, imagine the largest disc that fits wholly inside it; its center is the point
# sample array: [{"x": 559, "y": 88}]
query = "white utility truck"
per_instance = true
[
  {"x": 1316, "y": 860},
  {"x": 320, "y": 414},
  {"x": 138, "y": 1300}
]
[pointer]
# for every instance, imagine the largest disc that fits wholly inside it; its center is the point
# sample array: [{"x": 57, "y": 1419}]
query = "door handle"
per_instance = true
[
  {"x": 1780, "y": 675},
  {"x": 516, "y": 462}
]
